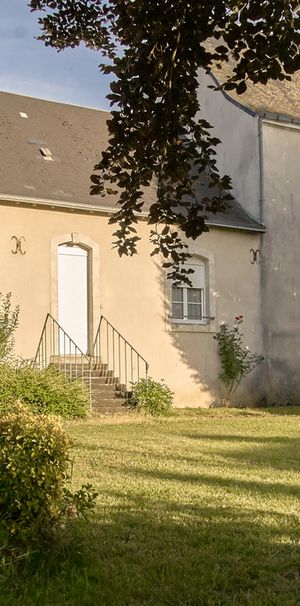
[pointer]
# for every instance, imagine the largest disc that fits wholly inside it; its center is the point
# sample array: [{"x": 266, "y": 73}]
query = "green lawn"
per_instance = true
[{"x": 200, "y": 509}]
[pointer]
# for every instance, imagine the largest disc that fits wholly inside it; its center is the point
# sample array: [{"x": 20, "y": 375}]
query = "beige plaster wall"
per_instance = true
[
  {"x": 238, "y": 152},
  {"x": 281, "y": 263},
  {"x": 133, "y": 294}
]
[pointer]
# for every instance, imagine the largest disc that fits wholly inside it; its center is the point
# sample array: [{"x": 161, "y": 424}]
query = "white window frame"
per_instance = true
[
  {"x": 198, "y": 279},
  {"x": 208, "y": 324}
]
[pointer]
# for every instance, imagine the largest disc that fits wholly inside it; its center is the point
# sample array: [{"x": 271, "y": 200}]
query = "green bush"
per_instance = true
[
  {"x": 9, "y": 320},
  {"x": 45, "y": 391},
  {"x": 34, "y": 468},
  {"x": 152, "y": 397}
]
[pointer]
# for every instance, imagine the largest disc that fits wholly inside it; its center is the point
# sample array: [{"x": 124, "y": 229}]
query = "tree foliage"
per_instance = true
[{"x": 154, "y": 50}]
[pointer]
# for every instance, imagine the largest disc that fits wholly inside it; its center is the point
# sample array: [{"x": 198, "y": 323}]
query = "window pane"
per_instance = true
[
  {"x": 177, "y": 303},
  {"x": 188, "y": 303},
  {"x": 198, "y": 277},
  {"x": 194, "y": 295},
  {"x": 177, "y": 295},
  {"x": 194, "y": 311},
  {"x": 177, "y": 310}
]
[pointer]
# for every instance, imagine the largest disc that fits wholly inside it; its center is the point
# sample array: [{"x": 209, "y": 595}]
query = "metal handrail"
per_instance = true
[
  {"x": 122, "y": 359},
  {"x": 57, "y": 348}
]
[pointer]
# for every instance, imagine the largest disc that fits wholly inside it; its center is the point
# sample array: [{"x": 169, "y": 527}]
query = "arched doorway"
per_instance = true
[
  {"x": 73, "y": 293},
  {"x": 91, "y": 250}
]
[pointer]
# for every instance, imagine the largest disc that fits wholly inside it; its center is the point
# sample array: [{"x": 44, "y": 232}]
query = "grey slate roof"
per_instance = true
[
  {"x": 278, "y": 98},
  {"x": 75, "y": 137},
  {"x": 236, "y": 217}
]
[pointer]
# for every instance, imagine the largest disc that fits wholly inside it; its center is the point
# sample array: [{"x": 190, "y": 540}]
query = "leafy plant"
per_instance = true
[
  {"x": 9, "y": 320},
  {"x": 154, "y": 50},
  {"x": 236, "y": 359},
  {"x": 152, "y": 397},
  {"x": 35, "y": 467},
  {"x": 44, "y": 391}
]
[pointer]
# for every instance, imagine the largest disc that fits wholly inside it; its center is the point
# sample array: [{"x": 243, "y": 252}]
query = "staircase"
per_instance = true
[
  {"x": 107, "y": 395},
  {"x": 108, "y": 373}
]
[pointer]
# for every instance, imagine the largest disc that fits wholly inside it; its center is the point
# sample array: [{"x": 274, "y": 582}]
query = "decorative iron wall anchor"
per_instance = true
[
  {"x": 18, "y": 245},
  {"x": 255, "y": 256}
]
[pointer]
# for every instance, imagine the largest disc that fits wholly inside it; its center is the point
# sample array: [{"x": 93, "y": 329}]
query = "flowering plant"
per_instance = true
[{"x": 236, "y": 359}]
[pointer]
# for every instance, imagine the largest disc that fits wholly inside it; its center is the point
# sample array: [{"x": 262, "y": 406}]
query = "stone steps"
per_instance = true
[
  {"x": 109, "y": 406},
  {"x": 108, "y": 396}
]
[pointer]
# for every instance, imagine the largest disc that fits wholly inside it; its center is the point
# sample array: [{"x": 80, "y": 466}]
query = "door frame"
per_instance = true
[{"x": 93, "y": 276}]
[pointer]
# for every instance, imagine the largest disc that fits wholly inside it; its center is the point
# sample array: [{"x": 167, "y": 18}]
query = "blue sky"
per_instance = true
[{"x": 28, "y": 67}]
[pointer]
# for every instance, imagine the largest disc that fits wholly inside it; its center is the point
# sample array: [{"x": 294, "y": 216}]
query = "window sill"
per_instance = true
[{"x": 186, "y": 326}]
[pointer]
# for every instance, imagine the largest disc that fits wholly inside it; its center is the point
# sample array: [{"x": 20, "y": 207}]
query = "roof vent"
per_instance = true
[
  {"x": 23, "y": 115},
  {"x": 46, "y": 153}
]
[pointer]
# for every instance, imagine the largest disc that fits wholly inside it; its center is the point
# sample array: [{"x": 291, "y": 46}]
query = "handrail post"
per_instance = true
[
  {"x": 90, "y": 383},
  {"x": 59, "y": 340},
  {"x": 120, "y": 356}
]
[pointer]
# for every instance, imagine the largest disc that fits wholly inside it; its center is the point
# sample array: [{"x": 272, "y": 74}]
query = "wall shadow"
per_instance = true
[
  {"x": 198, "y": 352},
  {"x": 190, "y": 346}
]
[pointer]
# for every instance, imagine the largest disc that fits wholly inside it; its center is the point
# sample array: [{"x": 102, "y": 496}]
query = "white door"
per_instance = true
[{"x": 73, "y": 295}]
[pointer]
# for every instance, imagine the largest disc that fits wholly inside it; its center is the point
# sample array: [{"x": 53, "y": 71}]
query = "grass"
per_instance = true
[{"x": 199, "y": 509}]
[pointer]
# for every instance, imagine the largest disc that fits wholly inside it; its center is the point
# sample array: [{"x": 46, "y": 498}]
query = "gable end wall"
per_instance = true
[{"x": 238, "y": 155}]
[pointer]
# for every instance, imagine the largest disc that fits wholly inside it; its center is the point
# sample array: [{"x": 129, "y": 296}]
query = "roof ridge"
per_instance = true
[{"x": 64, "y": 103}]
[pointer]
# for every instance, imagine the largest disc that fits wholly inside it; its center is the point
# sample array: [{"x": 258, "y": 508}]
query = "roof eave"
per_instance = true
[
  {"x": 280, "y": 118},
  {"x": 259, "y": 228},
  {"x": 238, "y": 104},
  {"x": 101, "y": 210},
  {"x": 55, "y": 204}
]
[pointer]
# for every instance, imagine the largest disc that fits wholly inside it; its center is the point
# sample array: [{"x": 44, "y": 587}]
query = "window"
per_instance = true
[{"x": 189, "y": 302}]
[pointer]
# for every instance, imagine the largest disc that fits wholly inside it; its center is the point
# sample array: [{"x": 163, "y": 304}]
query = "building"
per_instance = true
[
  {"x": 57, "y": 256},
  {"x": 260, "y": 133}
]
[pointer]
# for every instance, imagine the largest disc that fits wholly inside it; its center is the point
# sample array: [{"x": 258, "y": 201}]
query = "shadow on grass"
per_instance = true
[
  {"x": 263, "y": 452},
  {"x": 282, "y": 410},
  {"x": 238, "y": 412},
  {"x": 216, "y": 481},
  {"x": 282, "y": 453},
  {"x": 238, "y": 438},
  {"x": 185, "y": 556}
]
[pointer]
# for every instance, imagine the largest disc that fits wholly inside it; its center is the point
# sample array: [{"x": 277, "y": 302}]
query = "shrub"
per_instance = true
[
  {"x": 46, "y": 391},
  {"x": 152, "y": 397},
  {"x": 236, "y": 359},
  {"x": 34, "y": 468},
  {"x": 9, "y": 320}
]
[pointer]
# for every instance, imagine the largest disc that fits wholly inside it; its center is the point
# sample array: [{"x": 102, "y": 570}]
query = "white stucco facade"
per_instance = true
[
  {"x": 133, "y": 294},
  {"x": 262, "y": 157},
  {"x": 281, "y": 261}
]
